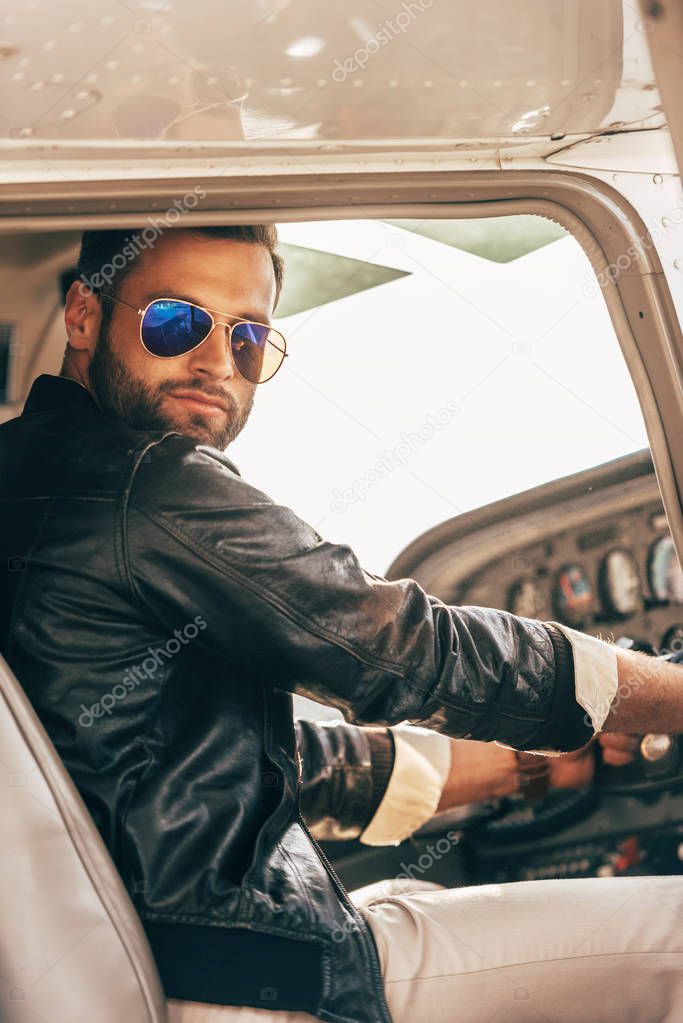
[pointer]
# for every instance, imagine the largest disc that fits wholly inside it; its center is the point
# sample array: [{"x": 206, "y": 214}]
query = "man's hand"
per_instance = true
[
  {"x": 573, "y": 770},
  {"x": 483, "y": 770},
  {"x": 618, "y": 750}
]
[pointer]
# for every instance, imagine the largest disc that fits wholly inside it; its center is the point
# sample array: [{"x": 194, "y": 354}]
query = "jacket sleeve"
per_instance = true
[
  {"x": 284, "y": 605},
  {"x": 378, "y": 785},
  {"x": 345, "y": 770}
]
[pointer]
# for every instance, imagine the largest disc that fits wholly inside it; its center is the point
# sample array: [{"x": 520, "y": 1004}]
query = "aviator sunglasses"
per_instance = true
[{"x": 170, "y": 327}]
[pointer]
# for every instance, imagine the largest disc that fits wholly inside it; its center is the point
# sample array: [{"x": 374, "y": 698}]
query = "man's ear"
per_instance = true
[{"x": 82, "y": 318}]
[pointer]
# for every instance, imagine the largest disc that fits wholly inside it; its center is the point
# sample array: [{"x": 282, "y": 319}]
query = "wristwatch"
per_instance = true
[{"x": 533, "y": 776}]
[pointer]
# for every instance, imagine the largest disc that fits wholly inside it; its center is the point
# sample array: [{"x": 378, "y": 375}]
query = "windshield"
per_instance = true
[{"x": 435, "y": 366}]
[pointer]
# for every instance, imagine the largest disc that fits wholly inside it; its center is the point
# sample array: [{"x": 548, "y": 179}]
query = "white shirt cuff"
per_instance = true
[
  {"x": 422, "y": 764},
  {"x": 596, "y": 677}
]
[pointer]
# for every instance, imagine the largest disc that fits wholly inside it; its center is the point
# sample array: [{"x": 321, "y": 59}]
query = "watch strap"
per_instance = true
[{"x": 533, "y": 776}]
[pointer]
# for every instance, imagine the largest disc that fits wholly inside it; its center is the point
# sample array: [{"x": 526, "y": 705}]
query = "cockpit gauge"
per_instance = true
[
  {"x": 574, "y": 595},
  {"x": 661, "y": 755},
  {"x": 620, "y": 583},
  {"x": 654, "y": 746},
  {"x": 526, "y": 599},
  {"x": 666, "y": 578},
  {"x": 672, "y": 640}
]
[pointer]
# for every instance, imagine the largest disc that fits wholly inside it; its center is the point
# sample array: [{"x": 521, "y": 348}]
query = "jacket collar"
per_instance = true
[{"x": 50, "y": 392}]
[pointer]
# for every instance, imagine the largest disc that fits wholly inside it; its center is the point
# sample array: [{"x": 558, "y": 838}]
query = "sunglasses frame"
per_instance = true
[{"x": 214, "y": 323}]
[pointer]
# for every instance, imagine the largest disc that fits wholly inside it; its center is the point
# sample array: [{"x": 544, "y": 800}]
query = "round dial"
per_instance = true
[
  {"x": 666, "y": 578},
  {"x": 573, "y": 594},
  {"x": 672, "y": 640},
  {"x": 620, "y": 583},
  {"x": 526, "y": 599},
  {"x": 654, "y": 746}
]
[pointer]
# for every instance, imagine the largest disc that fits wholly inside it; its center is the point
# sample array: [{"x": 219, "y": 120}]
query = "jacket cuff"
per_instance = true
[
  {"x": 422, "y": 764},
  {"x": 565, "y": 727},
  {"x": 382, "y": 756},
  {"x": 585, "y": 685}
]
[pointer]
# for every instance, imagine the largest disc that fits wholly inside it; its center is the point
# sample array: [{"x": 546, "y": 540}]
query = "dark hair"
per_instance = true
[{"x": 100, "y": 249}]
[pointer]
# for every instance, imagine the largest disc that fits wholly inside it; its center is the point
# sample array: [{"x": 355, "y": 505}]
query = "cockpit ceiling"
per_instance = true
[{"x": 281, "y": 71}]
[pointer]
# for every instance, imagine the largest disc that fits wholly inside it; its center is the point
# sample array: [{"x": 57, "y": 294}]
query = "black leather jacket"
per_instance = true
[{"x": 159, "y": 612}]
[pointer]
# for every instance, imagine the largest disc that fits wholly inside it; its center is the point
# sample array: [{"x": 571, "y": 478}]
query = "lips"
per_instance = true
[{"x": 200, "y": 402}]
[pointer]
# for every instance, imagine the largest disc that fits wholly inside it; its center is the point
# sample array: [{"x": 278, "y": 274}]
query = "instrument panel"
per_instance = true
[
  {"x": 591, "y": 551},
  {"x": 622, "y": 573}
]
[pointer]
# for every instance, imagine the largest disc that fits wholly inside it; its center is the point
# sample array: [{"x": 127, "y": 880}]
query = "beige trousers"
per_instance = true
[{"x": 599, "y": 950}]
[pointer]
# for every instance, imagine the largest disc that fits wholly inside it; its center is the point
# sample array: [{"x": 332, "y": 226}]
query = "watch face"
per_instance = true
[
  {"x": 574, "y": 596},
  {"x": 620, "y": 583},
  {"x": 666, "y": 578},
  {"x": 526, "y": 599}
]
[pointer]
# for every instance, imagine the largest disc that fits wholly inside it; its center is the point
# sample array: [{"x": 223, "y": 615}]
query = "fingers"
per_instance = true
[
  {"x": 616, "y": 740},
  {"x": 615, "y": 758},
  {"x": 618, "y": 749}
]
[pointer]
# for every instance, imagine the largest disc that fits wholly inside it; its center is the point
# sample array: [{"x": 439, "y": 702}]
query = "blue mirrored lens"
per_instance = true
[
  {"x": 249, "y": 346},
  {"x": 171, "y": 327}
]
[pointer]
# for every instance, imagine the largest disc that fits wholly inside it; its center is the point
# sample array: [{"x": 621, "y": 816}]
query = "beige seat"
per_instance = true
[{"x": 72, "y": 948}]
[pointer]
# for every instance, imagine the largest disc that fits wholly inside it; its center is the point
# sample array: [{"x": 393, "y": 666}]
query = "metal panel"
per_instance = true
[{"x": 108, "y": 80}]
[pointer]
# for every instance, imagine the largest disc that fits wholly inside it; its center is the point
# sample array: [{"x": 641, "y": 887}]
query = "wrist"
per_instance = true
[
  {"x": 533, "y": 776},
  {"x": 648, "y": 697},
  {"x": 573, "y": 770},
  {"x": 480, "y": 771}
]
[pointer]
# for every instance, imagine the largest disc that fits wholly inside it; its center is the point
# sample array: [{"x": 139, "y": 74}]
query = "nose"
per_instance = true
[{"x": 213, "y": 358}]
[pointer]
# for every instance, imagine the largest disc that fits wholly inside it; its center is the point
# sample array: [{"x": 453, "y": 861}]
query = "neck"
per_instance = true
[{"x": 73, "y": 371}]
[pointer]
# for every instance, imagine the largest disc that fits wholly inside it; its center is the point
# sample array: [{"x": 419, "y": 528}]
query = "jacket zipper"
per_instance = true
[
  {"x": 372, "y": 956},
  {"x": 326, "y": 863},
  {"x": 376, "y": 974}
]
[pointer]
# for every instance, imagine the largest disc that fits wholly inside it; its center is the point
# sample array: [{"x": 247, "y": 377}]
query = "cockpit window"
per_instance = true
[{"x": 436, "y": 366}]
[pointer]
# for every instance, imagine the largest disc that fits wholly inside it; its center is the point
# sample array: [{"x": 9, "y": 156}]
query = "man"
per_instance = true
[{"x": 160, "y": 612}]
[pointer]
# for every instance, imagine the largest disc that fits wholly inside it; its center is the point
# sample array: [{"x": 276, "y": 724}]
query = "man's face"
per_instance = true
[{"x": 223, "y": 275}]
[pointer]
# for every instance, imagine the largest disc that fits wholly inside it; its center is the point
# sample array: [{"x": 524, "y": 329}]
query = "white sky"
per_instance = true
[{"x": 531, "y": 361}]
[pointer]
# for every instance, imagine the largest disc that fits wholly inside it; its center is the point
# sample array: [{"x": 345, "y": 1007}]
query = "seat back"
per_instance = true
[{"x": 72, "y": 947}]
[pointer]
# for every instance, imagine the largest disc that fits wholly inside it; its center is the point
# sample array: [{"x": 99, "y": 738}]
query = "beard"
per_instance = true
[{"x": 120, "y": 394}]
